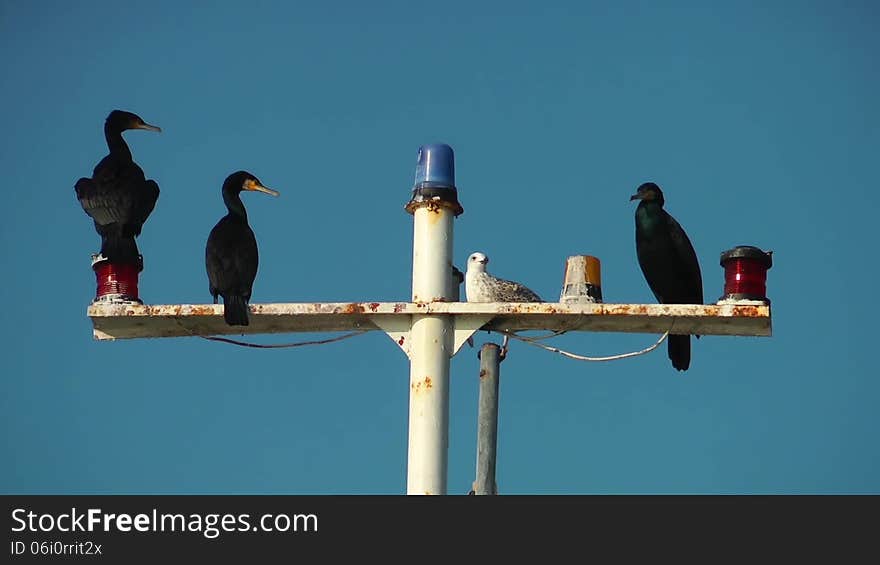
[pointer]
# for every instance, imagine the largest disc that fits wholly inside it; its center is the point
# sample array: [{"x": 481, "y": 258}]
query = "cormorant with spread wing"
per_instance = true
[
  {"x": 118, "y": 197},
  {"x": 231, "y": 256}
]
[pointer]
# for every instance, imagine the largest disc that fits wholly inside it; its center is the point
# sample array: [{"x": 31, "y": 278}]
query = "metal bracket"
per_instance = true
[
  {"x": 397, "y": 328},
  {"x": 467, "y": 325}
]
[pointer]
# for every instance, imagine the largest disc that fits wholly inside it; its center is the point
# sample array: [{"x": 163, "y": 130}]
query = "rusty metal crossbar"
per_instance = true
[{"x": 127, "y": 321}]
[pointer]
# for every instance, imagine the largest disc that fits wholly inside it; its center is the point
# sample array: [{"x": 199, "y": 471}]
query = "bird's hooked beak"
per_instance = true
[
  {"x": 148, "y": 127},
  {"x": 637, "y": 196},
  {"x": 251, "y": 184}
]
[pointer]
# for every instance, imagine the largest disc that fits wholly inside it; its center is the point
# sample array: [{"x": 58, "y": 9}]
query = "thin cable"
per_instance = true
[
  {"x": 505, "y": 343},
  {"x": 271, "y": 345},
  {"x": 281, "y": 345},
  {"x": 530, "y": 341},
  {"x": 554, "y": 333}
]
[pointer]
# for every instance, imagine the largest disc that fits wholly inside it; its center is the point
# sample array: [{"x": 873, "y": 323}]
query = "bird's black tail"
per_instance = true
[
  {"x": 680, "y": 351},
  {"x": 119, "y": 249},
  {"x": 235, "y": 310}
]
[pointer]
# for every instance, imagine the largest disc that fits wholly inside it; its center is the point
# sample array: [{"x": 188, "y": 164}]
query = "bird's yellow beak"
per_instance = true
[
  {"x": 148, "y": 127},
  {"x": 254, "y": 185}
]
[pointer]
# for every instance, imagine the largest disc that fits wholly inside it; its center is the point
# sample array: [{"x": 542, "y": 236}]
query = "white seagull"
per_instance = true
[{"x": 480, "y": 286}]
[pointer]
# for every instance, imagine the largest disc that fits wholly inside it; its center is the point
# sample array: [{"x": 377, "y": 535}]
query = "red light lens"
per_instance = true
[
  {"x": 745, "y": 273},
  {"x": 745, "y": 276},
  {"x": 117, "y": 281}
]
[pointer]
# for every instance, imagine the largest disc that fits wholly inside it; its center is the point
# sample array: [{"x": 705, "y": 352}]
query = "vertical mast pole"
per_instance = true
[{"x": 434, "y": 206}]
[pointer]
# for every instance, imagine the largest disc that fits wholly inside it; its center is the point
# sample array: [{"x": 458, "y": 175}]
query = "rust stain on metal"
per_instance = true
[
  {"x": 419, "y": 386},
  {"x": 482, "y": 373},
  {"x": 433, "y": 206},
  {"x": 624, "y": 309},
  {"x": 202, "y": 311},
  {"x": 399, "y": 307},
  {"x": 354, "y": 308},
  {"x": 374, "y": 306},
  {"x": 400, "y": 341},
  {"x": 745, "y": 311}
]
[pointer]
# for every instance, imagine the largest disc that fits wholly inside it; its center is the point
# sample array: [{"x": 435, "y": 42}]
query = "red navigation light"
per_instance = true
[
  {"x": 745, "y": 273},
  {"x": 117, "y": 282}
]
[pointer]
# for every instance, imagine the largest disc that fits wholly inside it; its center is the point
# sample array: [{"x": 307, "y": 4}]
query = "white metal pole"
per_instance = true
[
  {"x": 430, "y": 352},
  {"x": 434, "y": 206}
]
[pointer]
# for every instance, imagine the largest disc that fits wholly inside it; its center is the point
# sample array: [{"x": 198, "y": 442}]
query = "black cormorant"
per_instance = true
[
  {"x": 231, "y": 256},
  {"x": 118, "y": 197},
  {"x": 668, "y": 262}
]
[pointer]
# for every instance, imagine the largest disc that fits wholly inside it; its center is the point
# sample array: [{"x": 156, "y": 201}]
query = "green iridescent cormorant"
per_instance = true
[
  {"x": 118, "y": 197},
  {"x": 231, "y": 256},
  {"x": 668, "y": 262}
]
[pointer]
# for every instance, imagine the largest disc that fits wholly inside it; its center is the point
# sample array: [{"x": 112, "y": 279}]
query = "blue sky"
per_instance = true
[{"x": 758, "y": 119}]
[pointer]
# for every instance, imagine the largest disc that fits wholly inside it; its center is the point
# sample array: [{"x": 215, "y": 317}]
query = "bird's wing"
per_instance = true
[
  {"x": 687, "y": 264},
  {"x": 102, "y": 205},
  {"x": 231, "y": 259},
  {"x": 84, "y": 189},
  {"x": 146, "y": 196},
  {"x": 113, "y": 194},
  {"x": 511, "y": 291},
  {"x": 247, "y": 263}
]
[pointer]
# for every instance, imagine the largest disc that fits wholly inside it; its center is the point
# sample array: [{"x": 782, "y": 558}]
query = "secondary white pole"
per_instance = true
[{"x": 434, "y": 207}]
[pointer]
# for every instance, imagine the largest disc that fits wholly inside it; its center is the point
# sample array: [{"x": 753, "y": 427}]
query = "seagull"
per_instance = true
[{"x": 480, "y": 286}]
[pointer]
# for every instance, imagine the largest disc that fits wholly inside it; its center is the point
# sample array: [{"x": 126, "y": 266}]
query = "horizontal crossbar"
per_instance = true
[{"x": 128, "y": 321}]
